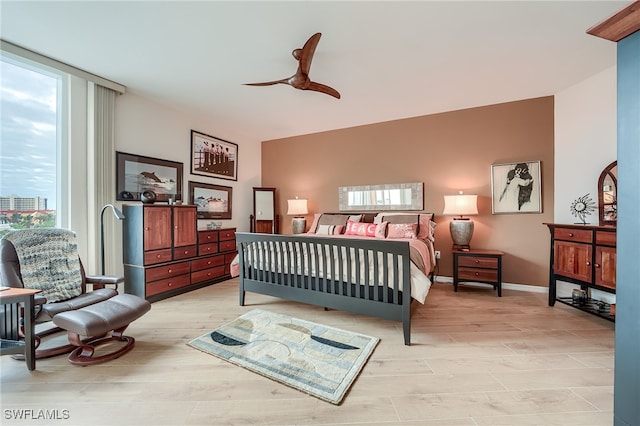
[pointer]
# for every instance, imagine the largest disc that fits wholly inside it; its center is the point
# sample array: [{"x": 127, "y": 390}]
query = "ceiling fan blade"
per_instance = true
[
  {"x": 323, "y": 89},
  {"x": 307, "y": 53},
  {"x": 269, "y": 83}
]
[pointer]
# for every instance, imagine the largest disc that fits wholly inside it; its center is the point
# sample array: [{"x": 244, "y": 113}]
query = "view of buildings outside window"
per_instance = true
[{"x": 28, "y": 146}]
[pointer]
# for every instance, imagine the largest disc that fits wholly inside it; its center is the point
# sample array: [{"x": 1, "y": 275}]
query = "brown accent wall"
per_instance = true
[{"x": 448, "y": 152}]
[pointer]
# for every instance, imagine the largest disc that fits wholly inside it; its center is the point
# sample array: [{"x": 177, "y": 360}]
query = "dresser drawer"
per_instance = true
[
  {"x": 157, "y": 256},
  {"x": 205, "y": 237},
  {"x": 227, "y": 234},
  {"x": 207, "y": 274},
  {"x": 167, "y": 284},
  {"x": 578, "y": 235},
  {"x": 185, "y": 252},
  {"x": 205, "y": 249},
  {"x": 227, "y": 245},
  {"x": 472, "y": 274},
  {"x": 606, "y": 238},
  {"x": 207, "y": 262},
  {"x": 478, "y": 262},
  {"x": 166, "y": 271}
]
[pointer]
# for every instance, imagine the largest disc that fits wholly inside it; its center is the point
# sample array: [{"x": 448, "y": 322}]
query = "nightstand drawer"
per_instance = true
[
  {"x": 478, "y": 262},
  {"x": 477, "y": 274}
]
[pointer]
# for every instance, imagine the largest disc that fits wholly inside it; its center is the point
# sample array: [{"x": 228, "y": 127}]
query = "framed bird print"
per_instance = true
[{"x": 516, "y": 188}]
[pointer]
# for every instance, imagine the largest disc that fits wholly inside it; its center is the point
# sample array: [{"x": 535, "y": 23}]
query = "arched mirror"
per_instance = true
[
  {"x": 608, "y": 195},
  {"x": 264, "y": 218}
]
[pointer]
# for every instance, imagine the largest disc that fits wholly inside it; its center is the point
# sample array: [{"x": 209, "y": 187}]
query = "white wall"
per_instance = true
[
  {"x": 144, "y": 127},
  {"x": 585, "y": 141}
]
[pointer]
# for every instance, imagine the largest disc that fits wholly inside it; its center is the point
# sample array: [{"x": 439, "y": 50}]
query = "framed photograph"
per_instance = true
[
  {"x": 516, "y": 187},
  {"x": 212, "y": 201},
  {"x": 136, "y": 174},
  {"x": 213, "y": 157}
]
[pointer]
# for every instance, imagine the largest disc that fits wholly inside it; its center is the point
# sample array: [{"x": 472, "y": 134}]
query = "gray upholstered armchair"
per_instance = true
[{"x": 47, "y": 259}]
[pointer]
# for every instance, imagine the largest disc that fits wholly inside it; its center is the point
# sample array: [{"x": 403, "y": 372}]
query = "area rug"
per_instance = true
[{"x": 316, "y": 359}]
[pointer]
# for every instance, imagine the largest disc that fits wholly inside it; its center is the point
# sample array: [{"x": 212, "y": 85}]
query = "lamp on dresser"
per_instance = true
[
  {"x": 461, "y": 228},
  {"x": 297, "y": 208}
]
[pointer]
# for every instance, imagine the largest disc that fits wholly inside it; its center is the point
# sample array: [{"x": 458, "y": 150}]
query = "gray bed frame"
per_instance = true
[{"x": 387, "y": 302}]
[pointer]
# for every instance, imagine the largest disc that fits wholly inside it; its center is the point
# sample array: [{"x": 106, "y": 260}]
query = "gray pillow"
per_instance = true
[{"x": 333, "y": 219}]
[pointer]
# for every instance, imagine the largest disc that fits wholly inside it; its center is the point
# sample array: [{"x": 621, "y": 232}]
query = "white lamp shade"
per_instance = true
[
  {"x": 297, "y": 207},
  {"x": 459, "y": 205}
]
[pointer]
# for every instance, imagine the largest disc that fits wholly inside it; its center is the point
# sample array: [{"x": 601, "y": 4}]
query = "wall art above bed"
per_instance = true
[{"x": 392, "y": 196}]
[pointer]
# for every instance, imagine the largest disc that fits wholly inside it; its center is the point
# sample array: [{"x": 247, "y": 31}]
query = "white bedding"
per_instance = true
[{"x": 420, "y": 283}]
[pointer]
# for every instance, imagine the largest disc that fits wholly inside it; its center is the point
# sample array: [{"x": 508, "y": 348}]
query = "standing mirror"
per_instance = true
[
  {"x": 608, "y": 195},
  {"x": 264, "y": 218}
]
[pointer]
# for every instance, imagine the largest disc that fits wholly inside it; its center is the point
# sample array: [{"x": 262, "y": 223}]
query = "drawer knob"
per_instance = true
[
  {"x": 571, "y": 234},
  {"x": 477, "y": 274},
  {"x": 158, "y": 256},
  {"x": 186, "y": 252},
  {"x": 169, "y": 284},
  {"x": 170, "y": 270},
  {"x": 477, "y": 261},
  {"x": 209, "y": 263}
]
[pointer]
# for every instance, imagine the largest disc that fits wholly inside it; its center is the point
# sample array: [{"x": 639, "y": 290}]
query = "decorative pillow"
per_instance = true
[
  {"x": 427, "y": 227},
  {"x": 329, "y": 229},
  {"x": 333, "y": 219},
  {"x": 356, "y": 218},
  {"x": 402, "y": 230},
  {"x": 381, "y": 230},
  {"x": 361, "y": 228},
  {"x": 314, "y": 225}
]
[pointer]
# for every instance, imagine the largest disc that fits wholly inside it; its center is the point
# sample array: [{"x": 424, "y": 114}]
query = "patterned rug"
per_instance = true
[{"x": 316, "y": 359}]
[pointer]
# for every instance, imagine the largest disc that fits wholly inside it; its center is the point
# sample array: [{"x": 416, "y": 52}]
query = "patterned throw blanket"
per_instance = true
[{"x": 48, "y": 261}]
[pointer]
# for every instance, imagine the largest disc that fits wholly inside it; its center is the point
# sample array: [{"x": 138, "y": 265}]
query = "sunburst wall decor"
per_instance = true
[{"x": 583, "y": 207}]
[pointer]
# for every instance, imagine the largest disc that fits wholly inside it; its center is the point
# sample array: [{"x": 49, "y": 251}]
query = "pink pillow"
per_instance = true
[
  {"x": 361, "y": 228},
  {"x": 425, "y": 231},
  {"x": 314, "y": 224},
  {"x": 402, "y": 230}
]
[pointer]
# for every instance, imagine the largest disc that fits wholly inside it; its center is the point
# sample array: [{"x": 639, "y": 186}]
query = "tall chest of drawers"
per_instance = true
[{"x": 164, "y": 254}]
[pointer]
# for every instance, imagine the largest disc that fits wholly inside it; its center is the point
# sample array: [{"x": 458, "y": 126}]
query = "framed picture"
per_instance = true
[
  {"x": 516, "y": 187},
  {"x": 213, "y": 157},
  {"x": 136, "y": 174},
  {"x": 212, "y": 201}
]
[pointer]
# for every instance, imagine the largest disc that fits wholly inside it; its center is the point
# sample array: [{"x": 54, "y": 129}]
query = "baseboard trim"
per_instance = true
[{"x": 505, "y": 286}]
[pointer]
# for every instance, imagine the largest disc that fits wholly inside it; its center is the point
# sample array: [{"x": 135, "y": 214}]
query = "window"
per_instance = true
[{"x": 30, "y": 143}]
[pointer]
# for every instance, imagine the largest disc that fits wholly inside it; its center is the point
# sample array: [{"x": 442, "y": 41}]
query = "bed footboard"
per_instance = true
[{"x": 369, "y": 277}]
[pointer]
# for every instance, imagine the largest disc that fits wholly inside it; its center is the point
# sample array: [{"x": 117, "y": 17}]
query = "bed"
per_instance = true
[{"x": 363, "y": 266}]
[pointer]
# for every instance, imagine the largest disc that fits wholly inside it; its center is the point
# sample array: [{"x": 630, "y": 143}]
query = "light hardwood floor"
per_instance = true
[{"x": 476, "y": 359}]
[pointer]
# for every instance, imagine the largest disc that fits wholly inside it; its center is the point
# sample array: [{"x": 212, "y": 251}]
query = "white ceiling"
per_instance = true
[{"x": 389, "y": 60}]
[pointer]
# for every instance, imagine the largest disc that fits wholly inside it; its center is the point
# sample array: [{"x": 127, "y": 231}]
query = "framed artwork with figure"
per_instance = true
[
  {"x": 516, "y": 187},
  {"x": 213, "y": 157}
]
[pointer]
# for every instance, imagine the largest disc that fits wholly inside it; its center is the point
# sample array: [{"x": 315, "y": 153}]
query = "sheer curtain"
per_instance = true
[{"x": 101, "y": 174}]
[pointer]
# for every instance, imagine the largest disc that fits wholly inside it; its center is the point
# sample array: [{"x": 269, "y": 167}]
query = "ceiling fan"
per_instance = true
[{"x": 300, "y": 80}]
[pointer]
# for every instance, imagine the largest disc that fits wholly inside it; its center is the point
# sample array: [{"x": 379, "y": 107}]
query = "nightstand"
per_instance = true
[{"x": 481, "y": 266}]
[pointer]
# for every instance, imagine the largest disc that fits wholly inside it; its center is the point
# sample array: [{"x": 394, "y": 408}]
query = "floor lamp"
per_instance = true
[{"x": 118, "y": 214}]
